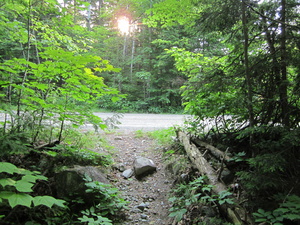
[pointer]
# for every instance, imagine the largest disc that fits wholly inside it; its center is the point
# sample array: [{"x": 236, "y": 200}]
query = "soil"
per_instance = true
[{"x": 150, "y": 191}]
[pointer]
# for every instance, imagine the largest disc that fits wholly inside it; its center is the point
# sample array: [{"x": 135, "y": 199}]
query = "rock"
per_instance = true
[
  {"x": 71, "y": 180},
  {"x": 136, "y": 210},
  {"x": 119, "y": 166},
  {"x": 142, "y": 206},
  {"x": 127, "y": 173},
  {"x": 227, "y": 176},
  {"x": 143, "y": 166},
  {"x": 143, "y": 216}
]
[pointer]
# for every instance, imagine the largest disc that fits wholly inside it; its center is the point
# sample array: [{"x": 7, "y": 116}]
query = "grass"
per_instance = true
[
  {"x": 164, "y": 137},
  {"x": 140, "y": 134}
]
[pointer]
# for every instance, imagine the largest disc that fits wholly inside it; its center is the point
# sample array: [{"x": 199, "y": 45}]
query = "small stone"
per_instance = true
[
  {"x": 135, "y": 199},
  {"x": 127, "y": 173},
  {"x": 136, "y": 210},
  {"x": 120, "y": 167},
  {"x": 143, "y": 216},
  {"x": 118, "y": 138},
  {"x": 142, "y": 206}
]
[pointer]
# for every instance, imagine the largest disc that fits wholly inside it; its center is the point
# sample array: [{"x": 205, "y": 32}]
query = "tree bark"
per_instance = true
[{"x": 213, "y": 150}]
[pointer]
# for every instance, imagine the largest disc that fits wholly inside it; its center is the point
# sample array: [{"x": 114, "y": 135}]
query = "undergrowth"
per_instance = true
[
  {"x": 194, "y": 203},
  {"x": 269, "y": 168},
  {"x": 28, "y": 197}
]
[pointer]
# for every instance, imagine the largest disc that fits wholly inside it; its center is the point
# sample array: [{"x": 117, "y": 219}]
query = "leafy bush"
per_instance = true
[
  {"x": 106, "y": 202},
  {"x": 275, "y": 151},
  {"x": 288, "y": 210},
  {"x": 195, "y": 192},
  {"x": 17, "y": 189},
  {"x": 13, "y": 143},
  {"x": 91, "y": 217},
  {"x": 264, "y": 174}
]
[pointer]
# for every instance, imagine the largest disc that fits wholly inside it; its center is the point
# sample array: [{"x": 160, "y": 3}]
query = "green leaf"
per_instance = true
[
  {"x": 115, "y": 99},
  {"x": 221, "y": 202},
  {"x": 51, "y": 153},
  {"x": 24, "y": 186},
  {"x": 48, "y": 201},
  {"x": 8, "y": 168},
  {"x": 261, "y": 220},
  {"x": 292, "y": 216},
  {"x": 261, "y": 211},
  {"x": 229, "y": 201},
  {"x": 15, "y": 199},
  {"x": 224, "y": 194},
  {"x": 7, "y": 181},
  {"x": 29, "y": 178},
  {"x": 33, "y": 178},
  {"x": 206, "y": 188},
  {"x": 5, "y": 194}
]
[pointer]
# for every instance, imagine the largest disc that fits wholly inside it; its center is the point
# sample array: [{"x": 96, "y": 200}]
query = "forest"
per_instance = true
[{"x": 232, "y": 63}]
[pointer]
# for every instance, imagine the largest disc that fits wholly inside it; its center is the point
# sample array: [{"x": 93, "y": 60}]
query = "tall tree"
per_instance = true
[{"x": 49, "y": 74}]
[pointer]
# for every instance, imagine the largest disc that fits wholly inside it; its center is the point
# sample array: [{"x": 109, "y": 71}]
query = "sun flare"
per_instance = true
[{"x": 123, "y": 25}]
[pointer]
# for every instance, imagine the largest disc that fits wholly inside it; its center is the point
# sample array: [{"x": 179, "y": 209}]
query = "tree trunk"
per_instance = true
[
  {"x": 132, "y": 58},
  {"x": 273, "y": 79},
  {"x": 214, "y": 151},
  {"x": 284, "y": 82},
  {"x": 247, "y": 71},
  {"x": 88, "y": 23}
]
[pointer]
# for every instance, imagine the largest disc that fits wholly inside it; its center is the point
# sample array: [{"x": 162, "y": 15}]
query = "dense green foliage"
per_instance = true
[
  {"x": 233, "y": 64},
  {"x": 49, "y": 84},
  {"x": 241, "y": 59}
]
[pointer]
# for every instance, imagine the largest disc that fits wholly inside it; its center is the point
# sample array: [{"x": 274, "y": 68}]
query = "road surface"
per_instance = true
[
  {"x": 135, "y": 121},
  {"x": 144, "y": 122}
]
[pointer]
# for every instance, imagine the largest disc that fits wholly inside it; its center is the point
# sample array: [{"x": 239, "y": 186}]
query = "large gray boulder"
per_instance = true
[
  {"x": 71, "y": 180},
  {"x": 143, "y": 166}
]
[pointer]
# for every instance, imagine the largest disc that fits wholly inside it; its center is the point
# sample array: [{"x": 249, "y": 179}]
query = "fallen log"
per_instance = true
[
  {"x": 235, "y": 213},
  {"x": 47, "y": 145},
  {"x": 213, "y": 150}
]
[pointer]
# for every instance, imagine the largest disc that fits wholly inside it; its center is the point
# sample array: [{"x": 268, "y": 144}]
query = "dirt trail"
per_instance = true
[{"x": 151, "y": 191}]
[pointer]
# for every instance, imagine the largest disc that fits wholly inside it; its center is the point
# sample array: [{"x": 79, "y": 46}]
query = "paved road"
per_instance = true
[
  {"x": 145, "y": 122},
  {"x": 134, "y": 121}
]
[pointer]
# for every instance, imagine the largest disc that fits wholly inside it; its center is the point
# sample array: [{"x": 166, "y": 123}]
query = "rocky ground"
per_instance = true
[{"x": 147, "y": 197}]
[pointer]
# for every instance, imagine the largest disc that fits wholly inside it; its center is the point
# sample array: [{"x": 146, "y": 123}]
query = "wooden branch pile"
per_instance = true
[{"x": 235, "y": 213}]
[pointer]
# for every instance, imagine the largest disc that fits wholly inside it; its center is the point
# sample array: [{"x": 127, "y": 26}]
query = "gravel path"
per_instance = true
[{"x": 151, "y": 191}]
